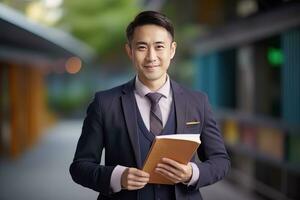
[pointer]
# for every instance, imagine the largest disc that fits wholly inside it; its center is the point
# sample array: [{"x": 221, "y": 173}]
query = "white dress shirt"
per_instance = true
[{"x": 144, "y": 104}]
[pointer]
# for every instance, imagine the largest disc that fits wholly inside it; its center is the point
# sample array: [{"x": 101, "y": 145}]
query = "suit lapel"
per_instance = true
[
  {"x": 129, "y": 109},
  {"x": 180, "y": 107}
]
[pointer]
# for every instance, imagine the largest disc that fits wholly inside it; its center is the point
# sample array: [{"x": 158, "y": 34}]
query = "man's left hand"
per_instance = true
[{"x": 174, "y": 171}]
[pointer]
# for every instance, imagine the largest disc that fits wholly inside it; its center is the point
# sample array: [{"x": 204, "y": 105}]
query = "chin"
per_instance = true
[{"x": 153, "y": 77}]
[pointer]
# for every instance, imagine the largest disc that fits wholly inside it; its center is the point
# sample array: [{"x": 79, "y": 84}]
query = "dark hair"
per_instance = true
[{"x": 149, "y": 17}]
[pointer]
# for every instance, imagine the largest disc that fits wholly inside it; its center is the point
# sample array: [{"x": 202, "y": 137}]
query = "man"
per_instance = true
[{"x": 124, "y": 121}]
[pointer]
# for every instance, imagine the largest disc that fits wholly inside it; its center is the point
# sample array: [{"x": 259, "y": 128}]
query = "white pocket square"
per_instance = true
[{"x": 192, "y": 123}]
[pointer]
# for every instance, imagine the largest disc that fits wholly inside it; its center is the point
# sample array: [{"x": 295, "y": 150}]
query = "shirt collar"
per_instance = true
[{"x": 142, "y": 89}]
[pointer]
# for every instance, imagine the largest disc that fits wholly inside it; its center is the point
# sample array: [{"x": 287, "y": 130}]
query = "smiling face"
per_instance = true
[{"x": 151, "y": 50}]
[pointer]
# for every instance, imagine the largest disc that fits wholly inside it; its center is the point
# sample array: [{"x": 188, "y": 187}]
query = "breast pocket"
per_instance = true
[{"x": 192, "y": 128}]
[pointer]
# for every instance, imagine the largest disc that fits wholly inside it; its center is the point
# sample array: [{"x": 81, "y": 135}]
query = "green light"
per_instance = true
[{"x": 275, "y": 57}]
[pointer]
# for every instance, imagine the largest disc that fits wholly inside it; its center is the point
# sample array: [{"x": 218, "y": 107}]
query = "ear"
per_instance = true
[
  {"x": 173, "y": 49},
  {"x": 128, "y": 50}
]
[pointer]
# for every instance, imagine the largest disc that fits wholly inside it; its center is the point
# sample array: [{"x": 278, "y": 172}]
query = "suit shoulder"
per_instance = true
[
  {"x": 194, "y": 93},
  {"x": 110, "y": 93},
  {"x": 107, "y": 97}
]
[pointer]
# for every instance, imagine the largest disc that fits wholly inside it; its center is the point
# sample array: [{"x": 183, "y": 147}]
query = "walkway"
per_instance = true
[{"x": 43, "y": 172}]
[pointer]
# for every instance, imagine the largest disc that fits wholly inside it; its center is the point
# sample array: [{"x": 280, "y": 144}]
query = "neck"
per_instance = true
[{"x": 154, "y": 85}]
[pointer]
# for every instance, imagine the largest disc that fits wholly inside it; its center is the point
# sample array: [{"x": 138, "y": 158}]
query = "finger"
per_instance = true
[
  {"x": 135, "y": 188},
  {"x": 138, "y": 179},
  {"x": 173, "y": 163},
  {"x": 142, "y": 180},
  {"x": 135, "y": 184},
  {"x": 169, "y": 168},
  {"x": 139, "y": 173},
  {"x": 167, "y": 175}
]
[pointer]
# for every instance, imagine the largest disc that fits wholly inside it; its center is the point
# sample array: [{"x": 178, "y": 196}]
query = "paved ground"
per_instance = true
[{"x": 42, "y": 173}]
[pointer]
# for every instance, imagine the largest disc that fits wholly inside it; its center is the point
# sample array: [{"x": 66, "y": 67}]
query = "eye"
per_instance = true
[
  {"x": 141, "y": 47},
  {"x": 160, "y": 47}
]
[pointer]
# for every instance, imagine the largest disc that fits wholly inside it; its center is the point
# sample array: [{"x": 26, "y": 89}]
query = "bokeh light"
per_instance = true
[{"x": 73, "y": 65}]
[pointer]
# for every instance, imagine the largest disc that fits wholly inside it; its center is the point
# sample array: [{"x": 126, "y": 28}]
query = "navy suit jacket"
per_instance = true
[{"x": 111, "y": 123}]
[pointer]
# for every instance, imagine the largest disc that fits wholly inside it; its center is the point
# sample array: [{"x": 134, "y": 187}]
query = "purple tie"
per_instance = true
[{"x": 156, "y": 125}]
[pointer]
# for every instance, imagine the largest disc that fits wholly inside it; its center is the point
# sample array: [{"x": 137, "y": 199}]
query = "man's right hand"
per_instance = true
[{"x": 134, "y": 179}]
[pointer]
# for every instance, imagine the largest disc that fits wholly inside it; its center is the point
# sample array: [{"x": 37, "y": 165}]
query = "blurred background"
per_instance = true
[{"x": 55, "y": 54}]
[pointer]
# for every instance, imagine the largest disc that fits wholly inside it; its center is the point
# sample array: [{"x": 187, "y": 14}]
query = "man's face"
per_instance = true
[{"x": 151, "y": 51}]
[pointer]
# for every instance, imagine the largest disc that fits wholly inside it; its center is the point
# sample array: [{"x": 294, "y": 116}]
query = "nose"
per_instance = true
[{"x": 151, "y": 55}]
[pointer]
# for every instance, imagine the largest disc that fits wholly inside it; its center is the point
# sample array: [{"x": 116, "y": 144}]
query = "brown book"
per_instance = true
[{"x": 178, "y": 147}]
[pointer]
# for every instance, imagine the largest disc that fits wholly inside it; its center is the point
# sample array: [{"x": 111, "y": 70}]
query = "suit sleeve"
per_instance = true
[
  {"x": 85, "y": 168},
  {"x": 215, "y": 162}
]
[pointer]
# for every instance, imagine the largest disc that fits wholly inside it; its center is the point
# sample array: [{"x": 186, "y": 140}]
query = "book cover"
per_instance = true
[{"x": 179, "y": 147}]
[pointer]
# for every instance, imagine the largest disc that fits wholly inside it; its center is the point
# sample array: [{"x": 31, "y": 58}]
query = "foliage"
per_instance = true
[{"x": 101, "y": 24}]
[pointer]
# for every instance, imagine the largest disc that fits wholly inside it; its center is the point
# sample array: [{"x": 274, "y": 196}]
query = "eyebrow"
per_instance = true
[{"x": 145, "y": 43}]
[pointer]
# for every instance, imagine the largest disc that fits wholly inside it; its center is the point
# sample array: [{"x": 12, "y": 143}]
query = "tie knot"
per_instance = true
[{"x": 154, "y": 97}]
